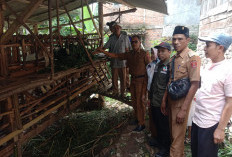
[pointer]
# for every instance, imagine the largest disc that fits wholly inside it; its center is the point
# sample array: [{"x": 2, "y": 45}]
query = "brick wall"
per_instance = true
[
  {"x": 216, "y": 19},
  {"x": 149, "y": 22}
]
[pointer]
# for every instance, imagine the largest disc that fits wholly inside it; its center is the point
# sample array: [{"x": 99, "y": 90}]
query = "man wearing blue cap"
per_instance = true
[
  {"x": 185, "y": 65},
  {"x": 214, "y": 98}
]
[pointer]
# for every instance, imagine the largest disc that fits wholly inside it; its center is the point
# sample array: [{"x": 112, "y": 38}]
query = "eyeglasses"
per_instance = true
[{"x": 136, "y": 41}]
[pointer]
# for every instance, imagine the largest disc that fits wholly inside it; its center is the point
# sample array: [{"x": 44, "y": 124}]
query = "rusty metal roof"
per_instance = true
[{"x": 41, "y": 13}]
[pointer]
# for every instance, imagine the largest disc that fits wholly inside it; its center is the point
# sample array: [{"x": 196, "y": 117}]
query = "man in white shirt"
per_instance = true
[
  {"x": 151, "y": 66},
  {"x": 214, "y": 98}
]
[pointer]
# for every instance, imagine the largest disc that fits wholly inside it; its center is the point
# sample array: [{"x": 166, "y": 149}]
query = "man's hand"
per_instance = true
[
  {"x": 98, "y": 50},
  {"x": 219, "y": 135},
  {"x": 180, "y": 117},
  {"x": 163, "y": 108}
]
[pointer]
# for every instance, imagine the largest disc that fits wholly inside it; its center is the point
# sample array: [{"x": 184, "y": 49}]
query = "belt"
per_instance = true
[{"x": 137, "y": 76}]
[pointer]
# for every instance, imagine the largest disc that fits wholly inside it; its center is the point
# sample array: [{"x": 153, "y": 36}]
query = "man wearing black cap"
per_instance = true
[
  {"x": 157, "y": 90},
  {"x": 185, "y": 64}
]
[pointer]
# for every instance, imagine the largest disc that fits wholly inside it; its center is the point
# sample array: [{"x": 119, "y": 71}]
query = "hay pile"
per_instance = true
[{"x": 82, "y": 133}]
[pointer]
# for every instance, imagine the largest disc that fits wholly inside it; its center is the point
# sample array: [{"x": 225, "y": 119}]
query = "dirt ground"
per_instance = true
[{"x": 130, "y": 144}]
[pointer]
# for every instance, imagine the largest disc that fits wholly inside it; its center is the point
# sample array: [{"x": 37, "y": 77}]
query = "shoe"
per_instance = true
[
  {"x": 187, "y": 141},
  {"x": 139, "y": 128},
  {"x": 153, "y": 142},
  {"x": 162, "y": 153}
]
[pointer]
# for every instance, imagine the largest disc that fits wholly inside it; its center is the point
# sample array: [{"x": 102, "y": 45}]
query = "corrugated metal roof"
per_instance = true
[{"x": 41, "y": 13}]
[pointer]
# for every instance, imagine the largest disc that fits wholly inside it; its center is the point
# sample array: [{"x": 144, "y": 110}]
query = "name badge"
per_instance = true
[{"x": 163, "y": 72}]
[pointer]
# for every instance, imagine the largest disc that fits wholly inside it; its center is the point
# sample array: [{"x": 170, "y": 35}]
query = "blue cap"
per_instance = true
[{"x": 221, "y": 38}]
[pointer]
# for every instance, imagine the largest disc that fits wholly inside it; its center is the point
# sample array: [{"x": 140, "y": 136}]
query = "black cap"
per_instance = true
[
  {"x": 110, "y": 24},
  {"x": 181, "y": 30},
  {"x": 164, "y": 45}
]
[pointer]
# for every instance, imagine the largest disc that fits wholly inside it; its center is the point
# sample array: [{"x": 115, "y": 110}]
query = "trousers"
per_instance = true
[
  {"x": 138, "y": 90},
  {"x": 202, "y": 144},
  {"x": 121, "y": 73},
  {"x": 178, "y": 131}
]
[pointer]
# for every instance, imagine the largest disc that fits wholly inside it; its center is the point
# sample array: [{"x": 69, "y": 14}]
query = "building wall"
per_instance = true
[
  {"x": 216, "y": 16},
  {"x": 144, "y": 21}
]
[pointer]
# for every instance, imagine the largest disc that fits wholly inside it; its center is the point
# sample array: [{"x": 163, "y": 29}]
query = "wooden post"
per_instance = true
[
  {"x": 51, "y": 38},
  {"x": 18, "y": 122},
  {"x": 91, "y": 15},
  {"x": 24, "y": 53},
  {"x": 100, "y": 14},
  {"x": 3, "y": 62},
  {"x": 1, "y": 19}
]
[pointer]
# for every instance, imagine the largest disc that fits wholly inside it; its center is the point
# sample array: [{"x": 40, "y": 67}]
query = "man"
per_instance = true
[
  {"x": 118, "y": 43},
  {"x": 186, "y": 65},
  {"x": 157, "y": 90},
  {"x": 137, "y": 59},
  {"x": 214, "y": 98},
  {"x": 151, "y": 66},
  {"x": 150, "y": 72}
]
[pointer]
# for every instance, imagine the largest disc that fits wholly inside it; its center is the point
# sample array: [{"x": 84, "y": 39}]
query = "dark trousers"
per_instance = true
[
  {"x": 162, "y": 126},
  {"x": 202, "y": 144}
]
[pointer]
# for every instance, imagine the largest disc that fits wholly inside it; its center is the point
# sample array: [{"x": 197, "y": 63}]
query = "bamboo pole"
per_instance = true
[
  {"x": 51, "y": 38},
  {"x": 82, "y": 42},
  {"x": 58, "y": 22},
  {"x": 91, "y": 15},
  {"x": 45, "y": 51},
  {"x": 1, "y": 18},
  {"x": 105, "y": 15},
  {"x": 34, "y": 4},
  {"x": 24, "y": 53},
  {"x": 100, "y": 14},
  {"x": 35, "y": 29},
  {"x": 46, "y": 113},
  {"x": 82, "y": 18}
]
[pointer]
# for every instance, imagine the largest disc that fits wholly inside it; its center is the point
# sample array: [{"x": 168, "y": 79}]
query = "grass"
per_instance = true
[{"x": 81, "y": 133}]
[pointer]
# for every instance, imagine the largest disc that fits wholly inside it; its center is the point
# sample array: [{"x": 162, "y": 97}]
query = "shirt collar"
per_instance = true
[
  {"x": 183, "y": 53},
  {"x": 165, "y": 62}
]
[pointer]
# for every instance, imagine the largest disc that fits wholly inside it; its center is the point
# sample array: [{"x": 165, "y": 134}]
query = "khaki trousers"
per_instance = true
[
  {"x": 138, "y": 91},
  {"x": 127, "y": 78},
  {"x": 177, "y": 130},
  {"x": 121, "y": 73}
]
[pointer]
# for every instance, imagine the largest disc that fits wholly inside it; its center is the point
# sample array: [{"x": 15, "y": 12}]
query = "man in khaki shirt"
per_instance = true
[
  {"x": 137, "y": 59},
  {"x": 187, "y": 65}
]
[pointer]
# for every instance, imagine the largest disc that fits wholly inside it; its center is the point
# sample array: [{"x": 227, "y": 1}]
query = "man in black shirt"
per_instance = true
[{"x": 157, "y": 90}]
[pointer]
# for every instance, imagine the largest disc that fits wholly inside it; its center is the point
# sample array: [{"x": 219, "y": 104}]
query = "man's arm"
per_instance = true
[
  {"x": 219, "y": 133},
  {"x": 112, "y": 55},
  {"x": 188, "y": 99},
  {"x": 163, "y": 106}
]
